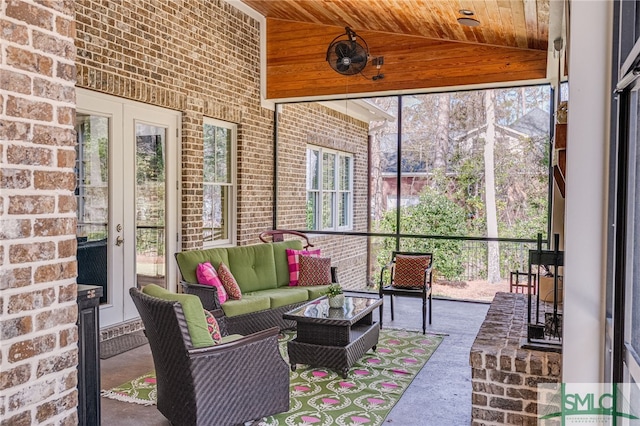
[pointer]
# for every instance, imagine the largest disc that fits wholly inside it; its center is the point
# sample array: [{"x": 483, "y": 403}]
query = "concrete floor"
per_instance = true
[{"x": 440, "y": 395}]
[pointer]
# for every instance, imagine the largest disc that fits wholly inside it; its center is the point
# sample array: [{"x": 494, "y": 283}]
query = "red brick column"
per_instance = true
[{"x": 38, "y": 351}]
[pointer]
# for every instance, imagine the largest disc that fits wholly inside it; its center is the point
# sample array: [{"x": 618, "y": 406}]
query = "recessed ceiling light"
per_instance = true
[
  {"x": 466, "y": 12},
  {"x": 470, "y": 22}
]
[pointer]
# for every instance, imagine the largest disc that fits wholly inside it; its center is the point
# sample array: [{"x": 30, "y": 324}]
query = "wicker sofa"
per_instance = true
[{"x": 262, "y": 272}]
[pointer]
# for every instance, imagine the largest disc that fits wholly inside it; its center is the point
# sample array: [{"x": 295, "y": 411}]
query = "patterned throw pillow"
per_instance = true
[
  {"x": 212, "y": 325},
  {"x": 207, "y": 275},
  {"x": 314, "y": 271},
  {"x": 293, "y": 257},
  {"x": 409, "y": 271},
  {"x": 229, "y": 282}
]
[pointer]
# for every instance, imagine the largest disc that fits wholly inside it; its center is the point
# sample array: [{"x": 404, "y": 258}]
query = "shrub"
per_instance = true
[{"x": 437, "y": 215}]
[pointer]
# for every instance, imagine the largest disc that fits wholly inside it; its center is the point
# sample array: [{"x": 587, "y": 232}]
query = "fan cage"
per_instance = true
[{"x": 348, "y": 56}]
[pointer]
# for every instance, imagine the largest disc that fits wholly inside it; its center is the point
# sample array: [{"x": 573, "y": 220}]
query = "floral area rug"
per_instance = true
[{"x": 320, "y": 396}]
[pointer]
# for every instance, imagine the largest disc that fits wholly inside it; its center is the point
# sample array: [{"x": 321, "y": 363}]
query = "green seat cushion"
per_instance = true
[
  {"x": 246, "y": 305},
  {"x": 280, "y": 259},
  {"x": 316, "y": 291},
  {"x": 193, "y": 313},
  {"x": 231, "y": 338},
  {"x": 284, "y": 296}
]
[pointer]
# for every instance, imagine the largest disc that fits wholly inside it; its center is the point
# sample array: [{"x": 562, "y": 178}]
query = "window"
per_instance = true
[
  {"x": 329, "y": 190},
  {"x": 219, "y": 183}
]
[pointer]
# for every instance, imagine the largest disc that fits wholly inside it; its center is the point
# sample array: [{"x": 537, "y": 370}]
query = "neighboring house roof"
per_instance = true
[
  {"x": 360, "y": 109},
  {"x": 390, "y": 164},
  {"x": 534, "y": 123}
]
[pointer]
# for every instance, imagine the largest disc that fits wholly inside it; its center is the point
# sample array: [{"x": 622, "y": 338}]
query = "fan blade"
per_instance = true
[
  {"x": 342, "y": 50},
  {"x": 341, "y": 67},
  {"x": 359, "y": 59}
]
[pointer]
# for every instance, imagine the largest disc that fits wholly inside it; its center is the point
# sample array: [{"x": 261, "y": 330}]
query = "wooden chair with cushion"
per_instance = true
[
  {"x": 199, "y": 382},
  {"x": 409, "y": 274}
]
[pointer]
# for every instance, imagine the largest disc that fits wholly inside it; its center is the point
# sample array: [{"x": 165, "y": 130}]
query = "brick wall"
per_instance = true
[
  {"x": 504, "y": 376},
  {"x": 38, "y": 351},
  {"x": 305, "y": 124},
  {"x": 201, "y": 58}
]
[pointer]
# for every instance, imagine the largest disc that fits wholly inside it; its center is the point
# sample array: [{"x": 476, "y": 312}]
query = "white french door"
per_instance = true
[{"x": 127, "y": 180}]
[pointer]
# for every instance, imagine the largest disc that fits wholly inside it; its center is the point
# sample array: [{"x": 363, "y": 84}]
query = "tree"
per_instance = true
[
  {"x": 493, "y": 253},
  {"x": 441, "y": 154},
  {"x": 485, "y": 151}
]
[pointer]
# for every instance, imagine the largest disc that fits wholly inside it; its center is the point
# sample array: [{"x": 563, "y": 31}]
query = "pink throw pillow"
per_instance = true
[
  {"x": 229, "y": 282},
  {"x": 293, "y": 257},
  {"x": 213, "y": 327},
  {"x": 207, "y": 275},
  {"x": 314, "y": 271}
]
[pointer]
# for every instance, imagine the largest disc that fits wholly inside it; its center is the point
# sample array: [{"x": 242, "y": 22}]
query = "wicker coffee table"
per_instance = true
[{"x": 330, "y": 337}]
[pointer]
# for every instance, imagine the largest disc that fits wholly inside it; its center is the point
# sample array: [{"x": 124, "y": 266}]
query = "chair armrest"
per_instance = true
[
  {"x": 334, "y": 274},
  {"x": 428, "y": 276},
  {"x": 387, "y": 266},
  {"x": 278, "y": 235},
  {"x": 236, "y": 345},
  {"x": 208, "y": 294},
  {"x": 384, "y": 268},
  {"x": 246, "y": 371}
]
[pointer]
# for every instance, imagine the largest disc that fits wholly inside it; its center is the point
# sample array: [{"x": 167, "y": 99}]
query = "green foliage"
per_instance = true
[
  {"x": 530, "y": 226},
  {"x": 435, "y": 214},
  {"x": 149, "y": 159},
  {"x": 333, "y": 290},
  {"x": 469, "y": 191},
  {"x": 310, "y": 215}
]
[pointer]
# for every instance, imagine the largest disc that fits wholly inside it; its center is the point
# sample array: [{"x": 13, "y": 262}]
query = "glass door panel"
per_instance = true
[
  {"x": 92, "y": 196},
  {"x": 150, "y": 204}
]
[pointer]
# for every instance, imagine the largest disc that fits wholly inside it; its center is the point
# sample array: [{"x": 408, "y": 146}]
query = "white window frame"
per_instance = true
[
  {"x": 322, "y": 193},
  {"x": 232, "y": 185}
]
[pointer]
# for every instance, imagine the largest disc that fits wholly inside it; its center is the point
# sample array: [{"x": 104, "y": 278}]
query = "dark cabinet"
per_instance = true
[{"x": 88, "y": 355}]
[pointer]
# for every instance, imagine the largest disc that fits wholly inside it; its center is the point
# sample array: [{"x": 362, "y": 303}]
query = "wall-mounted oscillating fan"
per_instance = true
[{"x": 346, "y": 55}]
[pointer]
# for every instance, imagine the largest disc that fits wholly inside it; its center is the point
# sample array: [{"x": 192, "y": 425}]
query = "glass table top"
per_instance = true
[{"x": 319, "y": 309}]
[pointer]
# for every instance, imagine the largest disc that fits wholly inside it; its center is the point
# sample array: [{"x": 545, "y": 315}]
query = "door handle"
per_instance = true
[{"x": 119, "y": 241}]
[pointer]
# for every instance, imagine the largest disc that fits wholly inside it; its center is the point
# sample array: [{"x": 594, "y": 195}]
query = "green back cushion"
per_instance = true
[
  {"x": 188, "y": 261},
  {"x": 193, "y": 313},
  {"x": 280, "y": 257},
  {"x": 253, "y": 267}
]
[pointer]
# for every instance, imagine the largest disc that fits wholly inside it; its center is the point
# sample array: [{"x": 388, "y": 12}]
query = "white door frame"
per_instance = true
[{"x": 123, "y": 115}]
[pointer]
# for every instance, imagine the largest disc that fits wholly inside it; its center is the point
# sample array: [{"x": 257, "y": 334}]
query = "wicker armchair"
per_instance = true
[{"x": 225, "y": 384}]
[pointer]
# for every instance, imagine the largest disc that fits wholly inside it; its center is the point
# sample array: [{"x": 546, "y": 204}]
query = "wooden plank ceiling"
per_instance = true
[{"x": 421, "y": 41}]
